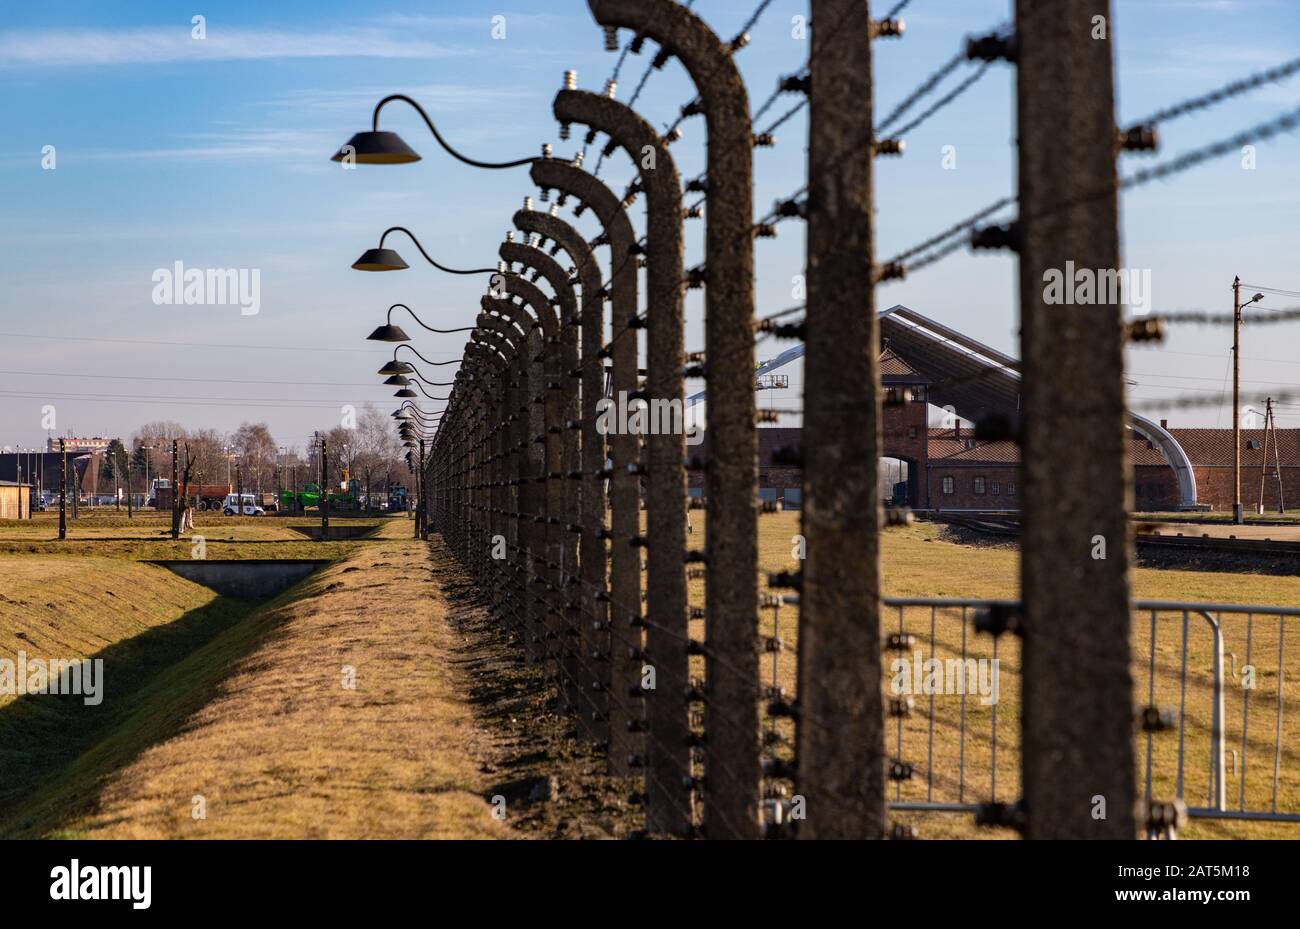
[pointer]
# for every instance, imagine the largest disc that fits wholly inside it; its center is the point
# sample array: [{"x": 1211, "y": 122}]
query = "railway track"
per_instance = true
[{"x": 1147, "y": 535}]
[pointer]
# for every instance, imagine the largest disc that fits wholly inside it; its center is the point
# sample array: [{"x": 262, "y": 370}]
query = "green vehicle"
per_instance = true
[{"x": 309, "y": 497}]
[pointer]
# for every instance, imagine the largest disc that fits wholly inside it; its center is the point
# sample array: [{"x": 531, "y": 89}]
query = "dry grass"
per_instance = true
[
  {"x": 136, "y": 618},
  {"x": 260, "y": 724},
  {"x": 250, "y": 712}
]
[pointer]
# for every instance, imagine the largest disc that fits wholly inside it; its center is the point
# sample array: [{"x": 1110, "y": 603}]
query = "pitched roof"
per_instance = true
[
  {"x": 995, "y": 453},
  {"x": 1213, "y": 447},
  {"x": 894, "y": 369},
  {"x": 948, "y": 447}
]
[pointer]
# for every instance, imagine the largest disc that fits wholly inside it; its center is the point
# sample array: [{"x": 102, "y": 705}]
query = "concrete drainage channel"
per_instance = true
[
  {"x": 337, "y": 533},
  {"x": 250, "y": 580}
]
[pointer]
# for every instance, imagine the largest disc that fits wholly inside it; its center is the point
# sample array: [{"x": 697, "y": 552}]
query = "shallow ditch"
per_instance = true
[{"x": 53, "y": 745}]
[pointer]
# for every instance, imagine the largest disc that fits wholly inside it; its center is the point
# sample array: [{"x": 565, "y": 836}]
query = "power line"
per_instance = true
[
  {"x": 1188, "y": 377},
  {"x": 1273, "y": 290},
  {"x": 1280, "y": 361}
]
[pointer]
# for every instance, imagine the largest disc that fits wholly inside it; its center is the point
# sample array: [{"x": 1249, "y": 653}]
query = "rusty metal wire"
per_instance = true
[
  {"x": 1220, "y": 94},
  {"x": 613, "y": 78},
  {"x": 969, "y": 81},
  {"x": 781, "y": 120},
  {"x": 781, "y": 88},
  {"x": 1208, "y": 318},
  {"x": 1285, "y": 122},
  {"x": 750, "y": 22},
  {"x": 922, "y": 90},
  {"x": 964, "y": 225},
  {"x": 1188, "y": 402}
]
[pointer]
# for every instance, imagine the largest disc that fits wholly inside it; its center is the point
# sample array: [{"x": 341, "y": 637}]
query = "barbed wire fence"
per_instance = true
[{"x": 577, "y": 523}]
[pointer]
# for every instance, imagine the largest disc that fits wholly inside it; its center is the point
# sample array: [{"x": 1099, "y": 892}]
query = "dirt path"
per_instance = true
[{"x": 382, "y": 704}]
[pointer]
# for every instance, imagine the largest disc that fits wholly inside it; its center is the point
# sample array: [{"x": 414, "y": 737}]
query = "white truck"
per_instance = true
[{"x": 247, "y": 506}]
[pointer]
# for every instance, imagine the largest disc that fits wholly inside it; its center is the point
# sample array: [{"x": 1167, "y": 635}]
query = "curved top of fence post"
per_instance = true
[
  {"x": 552, "y": 174},
  {"x": 515, "y": 314},
  {"x": 484, "y": 353},
  {"x": 731, "y": 476},
  {"x": 706, "y": 57},
  {"x": 533, "y": 297},
  {"x": 488, "y": 325},
  {"x": 482, "y": 359},
  {"x": 630, "y": 131},
  {"x": 550, "y": 269},
  {"x": 569, "y": 239}
]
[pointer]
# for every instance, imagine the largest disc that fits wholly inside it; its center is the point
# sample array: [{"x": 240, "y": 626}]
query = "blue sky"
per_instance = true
[{"x": 214, "y": 152}]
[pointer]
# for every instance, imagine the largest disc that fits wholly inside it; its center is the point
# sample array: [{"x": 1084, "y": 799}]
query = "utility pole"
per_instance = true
[
  {"x": 63, "y": 490},
  {"x": 176, "y": 513},
  {"x": 1238, "y": 517},
  {"x": 1277, "y": 458},
  {"x": 419, "y": 485},
  {"x": 1270, "y": 431},
  {"x": 1263, "y": 458},
  {"x": 76, "y": 487},
  {"x": 667, "y": 637},
  {"x": 147, "y": 449},
  {"x": 324, "y": 491}
]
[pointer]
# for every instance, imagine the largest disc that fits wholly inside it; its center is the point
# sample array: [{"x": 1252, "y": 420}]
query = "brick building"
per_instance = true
[
  {"x": 948, "y": 469},
  {"x": 927, "y": 368}
]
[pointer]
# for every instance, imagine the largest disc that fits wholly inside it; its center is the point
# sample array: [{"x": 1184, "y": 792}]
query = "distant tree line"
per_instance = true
[{"x": 371, "y": 453}]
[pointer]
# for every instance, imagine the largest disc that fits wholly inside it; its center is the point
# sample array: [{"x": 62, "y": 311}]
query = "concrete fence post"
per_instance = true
[
  {"x": 1077, "y": 721},
  {"x": 732, "y": 770},
  {"x": 624, "y": 597},
  {"x": 592, "y": 551},
  {"x": 667, "y": 630},
  {"x": 563, "y": 452},
  {"x": 546, "y": 409},
  {"x": 840, "y": 742}
]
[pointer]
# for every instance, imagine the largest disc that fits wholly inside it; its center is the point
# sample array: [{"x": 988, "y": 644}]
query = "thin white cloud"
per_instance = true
[
  {"x": 443, "y": 98},
  {"x": 273, "y": 144},
  {"x": 1208, "y": 6},
  {"x": 108, "y": 47},
  {"x": 484, "y": 22}
]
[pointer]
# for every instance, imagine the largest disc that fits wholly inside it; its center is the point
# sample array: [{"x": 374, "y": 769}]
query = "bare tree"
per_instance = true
[{"x": 257, "y": 451}]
